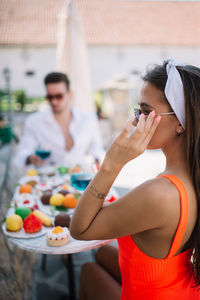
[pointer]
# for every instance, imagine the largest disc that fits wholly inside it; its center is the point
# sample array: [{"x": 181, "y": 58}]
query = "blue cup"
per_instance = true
[
  {"x": 43, "y": 154},
  {"x": 81, "y": 180}
]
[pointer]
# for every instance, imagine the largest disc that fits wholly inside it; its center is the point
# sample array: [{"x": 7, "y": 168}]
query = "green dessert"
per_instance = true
[
  {"x": 63, "y": 170},
  {"x": 23, "y": 212}
]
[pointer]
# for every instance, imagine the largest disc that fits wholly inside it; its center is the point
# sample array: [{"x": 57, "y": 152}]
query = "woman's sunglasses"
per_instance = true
[{"x": 138, "y": 112}]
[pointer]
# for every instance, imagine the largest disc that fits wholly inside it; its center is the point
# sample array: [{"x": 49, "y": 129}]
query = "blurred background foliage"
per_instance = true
[{"x": 20, "y": 101}]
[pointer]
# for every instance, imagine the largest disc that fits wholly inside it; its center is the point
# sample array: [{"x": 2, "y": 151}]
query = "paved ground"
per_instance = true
[{"x": 52, "y": 283}]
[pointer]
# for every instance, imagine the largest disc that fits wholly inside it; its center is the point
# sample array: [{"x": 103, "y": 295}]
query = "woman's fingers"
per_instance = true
[
  {"x": 152, "y": 130},
  {"x": 148, "y": 125},
  {"x": 125, "y": 132},
  {"x": 149, "y": 121},
  {"x": 143, "y": 132},
  {"x": 143, "y": 127},
  {"x": 141, "y": 124}
]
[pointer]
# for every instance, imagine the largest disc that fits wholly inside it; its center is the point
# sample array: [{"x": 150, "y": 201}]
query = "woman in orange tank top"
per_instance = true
[{"x": 157, "y": 224}]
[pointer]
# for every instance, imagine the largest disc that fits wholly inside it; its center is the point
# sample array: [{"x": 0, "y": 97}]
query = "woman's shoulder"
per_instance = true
[
  {"x": 159, "y": 185},
  {"x": 159, "y": 192},
  {"x": 150, "y": 205}
]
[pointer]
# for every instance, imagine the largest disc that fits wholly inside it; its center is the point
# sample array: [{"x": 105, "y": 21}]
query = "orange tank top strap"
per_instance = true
[{"x": 184, "y": 213}]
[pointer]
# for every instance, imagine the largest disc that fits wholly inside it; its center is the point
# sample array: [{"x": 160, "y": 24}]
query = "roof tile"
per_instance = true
[{"x": 106, "y": 22}]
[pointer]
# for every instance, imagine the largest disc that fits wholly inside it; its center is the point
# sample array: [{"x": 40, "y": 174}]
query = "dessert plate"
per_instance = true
[{"x": 22, "y": 234}]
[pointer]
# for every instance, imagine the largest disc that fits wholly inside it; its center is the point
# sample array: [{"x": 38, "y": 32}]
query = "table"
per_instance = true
[{"x": 39, "y": 245}]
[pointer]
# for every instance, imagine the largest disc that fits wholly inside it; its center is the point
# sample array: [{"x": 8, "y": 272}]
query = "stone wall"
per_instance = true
[{"x": 16, "y": 265}]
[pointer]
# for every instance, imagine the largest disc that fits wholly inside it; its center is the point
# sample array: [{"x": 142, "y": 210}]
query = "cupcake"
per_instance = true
[
  {"x": 43, "y": 188},
  {"x": 46, "y": 171},
  {"x": 58, "y": 236},
  {"x": 25, "y": 200},
  {"x": 55, "y": 182}
]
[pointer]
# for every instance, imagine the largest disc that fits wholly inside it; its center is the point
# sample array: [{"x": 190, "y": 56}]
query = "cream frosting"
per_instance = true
[
  {"x": 19, "y": 200},
  {"x": 58, "y": 236},
  {"x": 42, "y": 187},
  {"x": 54, "y": 182},
  {"x": 45, "y": 170}
]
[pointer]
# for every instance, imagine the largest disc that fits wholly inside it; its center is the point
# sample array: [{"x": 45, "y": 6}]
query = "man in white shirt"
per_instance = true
[{"x": 68, "y": 133}]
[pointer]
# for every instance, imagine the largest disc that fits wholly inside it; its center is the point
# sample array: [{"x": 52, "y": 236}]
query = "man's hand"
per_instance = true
[{"x": 35, "y": 160}]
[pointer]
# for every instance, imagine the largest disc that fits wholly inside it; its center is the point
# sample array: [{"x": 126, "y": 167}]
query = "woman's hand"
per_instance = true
[
  {"x": 128, "y": 146},
  {"x": 93, "y": 221}
]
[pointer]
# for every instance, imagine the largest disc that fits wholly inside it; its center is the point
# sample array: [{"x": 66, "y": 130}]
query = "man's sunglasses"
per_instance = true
[
  {"x": 56, "y": 96},
  {"x": 138, "y": 112}
]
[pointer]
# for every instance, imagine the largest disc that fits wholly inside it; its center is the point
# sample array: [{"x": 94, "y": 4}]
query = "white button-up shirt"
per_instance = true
[{"x": 42, "y": 131}]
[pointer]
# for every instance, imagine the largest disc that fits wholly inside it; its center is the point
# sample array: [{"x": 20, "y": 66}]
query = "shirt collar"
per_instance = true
[
  {"x": 49, "y": 116},
  {"x": 76, "y": 115}
]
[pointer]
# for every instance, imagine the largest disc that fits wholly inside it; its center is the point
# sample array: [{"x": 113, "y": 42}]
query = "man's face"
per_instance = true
[{"x": 58, "y": 96}]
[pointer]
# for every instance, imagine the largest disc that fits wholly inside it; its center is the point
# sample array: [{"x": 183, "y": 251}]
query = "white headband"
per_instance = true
[{"x": 174, "y": 90}]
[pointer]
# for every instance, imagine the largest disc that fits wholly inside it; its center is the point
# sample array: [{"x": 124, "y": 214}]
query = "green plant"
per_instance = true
[
  {"x": 98, "y": 99},
  {"x": 20, "y": 97},
  {"x": 3, "y": 94}
]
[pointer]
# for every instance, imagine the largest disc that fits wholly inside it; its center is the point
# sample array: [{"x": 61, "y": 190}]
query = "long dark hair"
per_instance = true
[{"x": 190, "y": 76}]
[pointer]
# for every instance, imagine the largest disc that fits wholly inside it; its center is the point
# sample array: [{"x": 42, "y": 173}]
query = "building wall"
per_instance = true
[
  {"x": 105, "y": 63},
  {"x": 22, "y": 59}
]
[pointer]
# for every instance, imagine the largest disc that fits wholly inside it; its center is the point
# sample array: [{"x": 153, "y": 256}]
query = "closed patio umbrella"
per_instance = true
[{"x": 72, "y": 56}]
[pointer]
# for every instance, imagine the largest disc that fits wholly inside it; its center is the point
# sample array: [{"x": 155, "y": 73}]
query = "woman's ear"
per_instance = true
[{"x": 179, "y": 129}]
